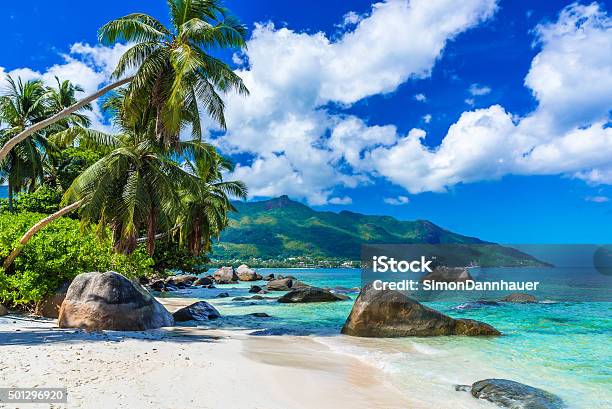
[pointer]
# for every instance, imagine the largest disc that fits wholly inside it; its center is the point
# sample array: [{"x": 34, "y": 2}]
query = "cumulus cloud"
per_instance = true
[
  {"x": 85, "y": 65},
  {"x": 396, "y": 201},
  {"x": 567, "y": 134},
  {"x": 294, "y": 75},
  {"x": 427, "y": 118},
  {"x": 420, "y": 97}
]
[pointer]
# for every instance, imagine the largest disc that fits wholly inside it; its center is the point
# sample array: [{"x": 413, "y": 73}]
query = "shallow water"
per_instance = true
[{"x": 562, "y": 347}]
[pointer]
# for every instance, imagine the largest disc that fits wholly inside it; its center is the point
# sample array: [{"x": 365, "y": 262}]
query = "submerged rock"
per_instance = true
[
  {"x": 199, "y": 311},
  {"x": 310, "y": 294},
  {"x": 222, "y": 295},
  {"x": 50, "y": 305},
  {"x": 225, "y": 275},
  {"x": 471, "y": 305},
  {"x": 388, "y": 313},
  {"x": 514, "y": 395},
  {"x": 520, "y": 298},
  {"x": 109, "y": 301},
  {"x": 448, "y": 275},
  {"x": 259, "y": 315}
]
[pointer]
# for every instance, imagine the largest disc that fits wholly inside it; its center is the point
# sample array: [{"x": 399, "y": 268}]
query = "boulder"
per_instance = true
[
  {"x": 3, "y": 310},
  {"x": 109, "y": 301},
  {"x": 519, "y": 297},
  {"x": 387, "y": 313},
  {"x": 283, "y": 284},
  {"x": 515, "y": 395},
  {"x": 448, "y": 275},
  {"x": 297, "y": 284},
  {"x": 247, "y": 274},
  {"x": 310, "y": 294},
  {"x": 50, "y": 305},
  {"x": 182, "y": 280},
  {"x": 222, "y": 295},
  {"x": 199, "y": 311},
  {"x": 225, "y": 275},
  {"x": 269, "y": 277},
  {"x": 204, "y": 281},
  {"x": 255, "y": 289},
  {"x": 158, "y": 285}
]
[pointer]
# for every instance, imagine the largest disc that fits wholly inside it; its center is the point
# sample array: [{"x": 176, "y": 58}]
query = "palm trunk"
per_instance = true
[
  {"x": 60, "y": 115},
  {"x": 151, "y": 228},
  {"x": 35, "y": 229}
]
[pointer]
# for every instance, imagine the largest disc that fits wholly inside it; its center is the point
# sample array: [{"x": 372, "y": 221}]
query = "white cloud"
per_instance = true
[
  {"x": 567, "y": 134},
  {"x": 293, "y": 75},
  {"x": 597, "y": 199},
  {"x": 427, "y": 118},
  {"x": 478, "y": 90},
  {"x": 420, "y": 97},
  {"x": 396, "y": 201},
  {"x": 341, "y": 200},
  {"x": 85, "y": 65},
  {"x": 470, "y": 101}
]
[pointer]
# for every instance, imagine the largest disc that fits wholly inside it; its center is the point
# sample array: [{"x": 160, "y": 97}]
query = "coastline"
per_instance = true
[{"x": 188, "y": 367}]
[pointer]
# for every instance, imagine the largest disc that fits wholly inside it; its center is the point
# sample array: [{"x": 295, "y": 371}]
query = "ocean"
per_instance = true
[{"x": 560, "y": 346}]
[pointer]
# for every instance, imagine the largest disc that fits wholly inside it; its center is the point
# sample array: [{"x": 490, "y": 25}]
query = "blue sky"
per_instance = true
[{"x": 490, "y": 118}]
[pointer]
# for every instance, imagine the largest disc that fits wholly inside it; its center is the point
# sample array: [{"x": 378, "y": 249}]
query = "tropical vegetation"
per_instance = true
[{"x": 150, "y": 195}]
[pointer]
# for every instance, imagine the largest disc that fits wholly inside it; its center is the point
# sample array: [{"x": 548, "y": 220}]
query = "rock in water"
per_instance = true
[
  {"x": 225, "y": 275},
  {"x": 199, "y": 311},
  {"x": 388, "y": 313},
  {"x": 255, "y": 289},
  {"x": 109, "y": 301},
  {"x": 247, "y": 274},
  {"x": 205, "y": 281},
  {"x": 181, "y": 280},
  {"x": 448, "y": 275},
  {"x": 310, "y": 294},
  {"x": 50, "y": 305},
  {"x": 519, "y": 297},
  {"x": 515, "y": 395},
  {"x": 283, "y": 284}
]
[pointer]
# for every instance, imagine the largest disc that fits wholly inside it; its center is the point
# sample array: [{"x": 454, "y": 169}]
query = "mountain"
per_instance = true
[{"x": 281, "y": 228}]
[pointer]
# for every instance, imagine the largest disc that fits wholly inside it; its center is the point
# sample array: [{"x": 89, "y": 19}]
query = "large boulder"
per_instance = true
[
  {"x": 109, "y": 301},
  {"x": 182, "y": 280},
  {"x": 199, "y": 311},
  {"x": 245, "y": 273},
  {"x": 387, "y": 313},
  {"x": 255, "y": 289},
  {"x": 283, "y": 284},
  {"x": 520, "y": 298},
  {"x": 50, "y": 305},
  {"x": 514, "y": 395},
  {"x": 310, "y": 294},
  {"x": 225, "y": 275},
  {"x": 448, "y": 275},
  {"x": 3, "y": 310}
]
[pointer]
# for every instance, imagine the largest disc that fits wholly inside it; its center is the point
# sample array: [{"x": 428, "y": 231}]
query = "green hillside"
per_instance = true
[{"x": 281, "y": 228}]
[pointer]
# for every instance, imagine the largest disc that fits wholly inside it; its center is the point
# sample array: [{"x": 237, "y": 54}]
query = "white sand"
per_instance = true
[{"x": 187, "y": 368}]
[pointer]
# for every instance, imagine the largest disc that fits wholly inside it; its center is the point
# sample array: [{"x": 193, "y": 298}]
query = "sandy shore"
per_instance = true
[{"x": 186, "y": 367}]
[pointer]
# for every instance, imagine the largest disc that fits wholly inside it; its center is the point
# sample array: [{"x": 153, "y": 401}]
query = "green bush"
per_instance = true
[
  {"x": 42, "y": 200},
  {"x": 169, "y": 255},
  {"x": 55, "y": 255}
]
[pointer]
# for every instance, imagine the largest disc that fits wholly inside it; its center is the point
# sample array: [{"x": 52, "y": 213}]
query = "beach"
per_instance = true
[{"x": 187, "y": 367}]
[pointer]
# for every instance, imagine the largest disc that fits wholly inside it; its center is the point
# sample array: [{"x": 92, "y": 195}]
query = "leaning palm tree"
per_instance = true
[{"x": 173, "y": 66}]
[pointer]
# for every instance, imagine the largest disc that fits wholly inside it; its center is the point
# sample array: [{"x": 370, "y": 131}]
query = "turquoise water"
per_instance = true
[{"x": 563, "y": 347}]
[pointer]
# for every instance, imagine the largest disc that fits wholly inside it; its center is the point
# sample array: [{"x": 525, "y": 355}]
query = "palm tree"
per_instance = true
[
  {"x": 174, "y": 69},
  {"x": 175, "y": 72},
  {"x": 205, "y": 209},
  {"x": 21, "y": 105}
]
